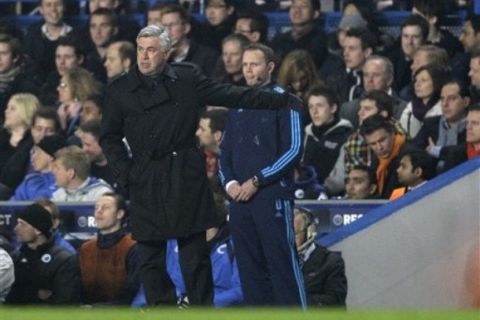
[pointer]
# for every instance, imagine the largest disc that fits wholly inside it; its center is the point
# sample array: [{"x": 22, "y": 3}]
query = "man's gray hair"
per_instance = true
[
  {"x": 157, "y": 31},
  {"x": 388, "y": 65}
]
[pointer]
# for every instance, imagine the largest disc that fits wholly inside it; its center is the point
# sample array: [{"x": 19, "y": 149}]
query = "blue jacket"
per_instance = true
[
  {"x": 35, "y": 185},
  {"x": 264, "y": 143}
]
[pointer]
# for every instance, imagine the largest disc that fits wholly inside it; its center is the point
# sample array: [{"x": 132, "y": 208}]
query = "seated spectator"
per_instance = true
[
  {"x": 57, "y": 237},
  {"x": 358, "y": 45},
  {"x": 387, "y": 145},
  {"x": 474, "y": 75},
  {"x": 71, "y": 169},
  {"x": 44, "y": 273},
  {"x": 68, "y": 55},
  {"x": 221, "y": 18},
  {"x": 361, "y": 183},
  {"x": 103, "y": 28},
  {"x": 253, "y": 25},
  {"x": 454, "y": 155},
  {"x": 413, "y": 34},
  {"x": 415, "y": 169},
  {"x": 305, "y": 35},
  {"x": 108, "y": 264},
  {"x": 470, "y": 37},
  {"x": 377, "y": 75},
  {"x": 434, "y": 11},
  {"x": 75, "y": 86},
  {"x": 92, "y": 108},
  {"x": 231, "y": 60},
  {"x": 14, "y": 76},
  {"x": 425, "y": 55},
  {"x": 449, "y": 128},
  {"x": 89, "y": 134},
  {"x": 45, "y": 123},
  {"x": 349, "y": 21},
  {"x": 7, "y": 274},
  {"x": 323, "y": 270},
  {"x": 298, "y": 74},
  {"x": 42, "y": 38},
  {"x": 426, "y": 101},
  {"x": 119, "y": 58},
  {"x": 41, "y": 183},
  {"x": 326, "y": 134},
  {"x": 176, "y": 20},
  {"x": 16, "y": 127}
]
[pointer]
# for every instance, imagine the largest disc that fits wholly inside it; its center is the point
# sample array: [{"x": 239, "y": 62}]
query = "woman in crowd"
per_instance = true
[
  {"x": 428, "y": 82},
  {"x": 74, "y": 89},
  {"x": 16, "y": 128}
]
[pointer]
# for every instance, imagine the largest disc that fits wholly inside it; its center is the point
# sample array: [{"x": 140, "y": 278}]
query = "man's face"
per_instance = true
[
  {"x": 63, "y": 176},
  {"x": 91, "y": 147},
  {"x": 154, "y": 17},
  {"x": 96, "y": 4},
  {"x": 40, "y": 159},
  {"x": 205, "y": 134},
  {"x": 232, "y": 57},
  {"x": 469, "y": 39},
  {"x": 420, "y": 59},
  {"x": 381, "y": 142},
  {"x": 52, "y": 11},
  {"x": 65, "y": 59},
  {"x": 353, "y": 54},
  {"x": 374, "y": 76},
  {"x": 41, "y": 128},
  {"x": 473, "y": 127},
  {"x": 217, "y": 12},
  {"x": 453, "y": 105},
  {"x": 150, "y": 56},
  {"x": 300, "y": 232},
  {"x": 256, "y": 71},
  {"x": 474, "y": 72},
  {"x": 175, "y": 26},
  {"x": 320, "y": 110},
  {"x": 301, "y": 12},
  {"x": 89, "y": 111},
  {"x": 242, "y": 26},
  {"x": 107, "y": 216},
  {"x": 357, "y": 185},
  {"x": 6, "y": 57},
  {"x": 406, "y": 175},
  {"x": 113, "y": 62},
  {"x": 411, "y": 39},
  {"x": 25, "y": 232},
  {"x": 101, "y": 30},
  {"x": 366, "y": 109}
]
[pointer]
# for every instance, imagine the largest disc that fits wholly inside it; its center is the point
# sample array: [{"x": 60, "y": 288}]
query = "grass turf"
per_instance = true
[{"x": 45, "y": 313}]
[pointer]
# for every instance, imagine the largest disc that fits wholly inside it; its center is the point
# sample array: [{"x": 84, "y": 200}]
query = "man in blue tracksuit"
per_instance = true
[{"x": 258, "y": 153}]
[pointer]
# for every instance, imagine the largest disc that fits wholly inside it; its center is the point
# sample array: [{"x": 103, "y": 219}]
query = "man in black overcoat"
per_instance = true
[{"x": 156, "y": 106}]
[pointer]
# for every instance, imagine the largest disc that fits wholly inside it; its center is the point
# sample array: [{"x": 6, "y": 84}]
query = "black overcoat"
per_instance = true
[{"x": 169, "y": 192}]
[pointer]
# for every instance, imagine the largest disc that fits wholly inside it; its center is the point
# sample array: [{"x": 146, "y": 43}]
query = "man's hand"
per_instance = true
[
  {"x": 234, "y": 190},
  {"x": 247, "y": 191},
  {"x": 431, "y": 144}
]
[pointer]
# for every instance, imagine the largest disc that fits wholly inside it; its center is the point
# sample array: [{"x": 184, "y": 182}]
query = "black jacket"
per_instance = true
[
  {"x": 47, "y": 268},
  {"x": 168, "y": 187},
  {"x": 202, "y": 56},
  {"x": 324, "y": 277},
  {"x": 430, "y": 129}
]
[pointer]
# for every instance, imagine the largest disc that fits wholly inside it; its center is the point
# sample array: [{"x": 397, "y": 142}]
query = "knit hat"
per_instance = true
[
  {"x": 38, "y": 217},
  {"x": 352, "y": 22},
  {"x": 51, "y": 144}
]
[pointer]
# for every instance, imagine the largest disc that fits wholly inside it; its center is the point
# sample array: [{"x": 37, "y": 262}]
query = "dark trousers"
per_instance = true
[
  {"x": 264, "y": 241},
  {"x": 195, "y": 265}
]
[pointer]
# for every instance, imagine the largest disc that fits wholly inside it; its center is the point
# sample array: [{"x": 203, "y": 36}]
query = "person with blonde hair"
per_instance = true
[
  {"x": 16, "y": 127},
  {"x": 71, "y": 169},
  {"x": 298, "y": 73},
  {"x": 76, "y": 85}
]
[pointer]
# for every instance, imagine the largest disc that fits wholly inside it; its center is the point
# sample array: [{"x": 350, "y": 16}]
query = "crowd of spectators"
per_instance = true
[{"x": 382, "y": 116}]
